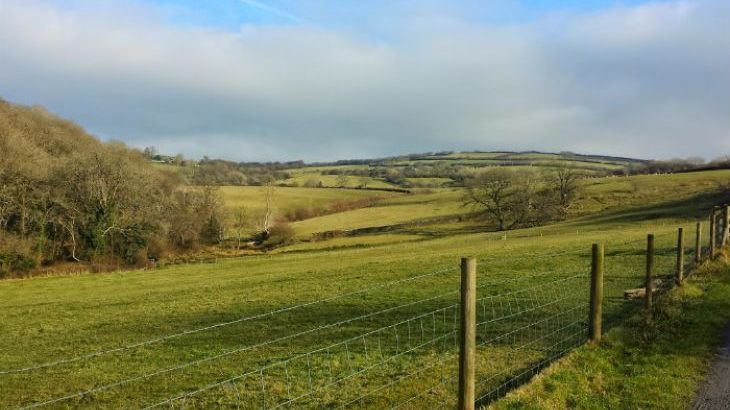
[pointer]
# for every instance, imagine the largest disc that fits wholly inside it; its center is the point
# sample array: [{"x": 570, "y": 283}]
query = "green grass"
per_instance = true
[
  {"x": 395, "y": 210},
  {"x": 431, "y": 182},
  {"x": 252, "y": 197},
  {"x": 52, "y": 318},
  {"x": 365, "y": 241},
  {"x": 654, "y": 367},
  {"x": 612, "y": 192},
  {"x": 46, "y": 319},
  {"x": 599, "y": 195}
]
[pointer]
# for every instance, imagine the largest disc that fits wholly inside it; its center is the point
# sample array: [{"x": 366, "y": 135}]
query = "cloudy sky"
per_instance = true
[{"x": 324, "y": 80}]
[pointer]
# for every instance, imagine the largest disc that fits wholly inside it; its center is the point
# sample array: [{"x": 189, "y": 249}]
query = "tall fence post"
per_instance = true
[
  {"x": 712, "y": 233},
  {"x": 698, "y": 245},
  {"x": 680, "y": 256},
  {"x": 649, "y": 271},
  {"x": 467, "y": 351},
  {"x": 595, "y": 318}
]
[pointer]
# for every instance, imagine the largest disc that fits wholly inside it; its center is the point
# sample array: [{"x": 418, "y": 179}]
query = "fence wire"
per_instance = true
[{"x": 404, "y": 354}]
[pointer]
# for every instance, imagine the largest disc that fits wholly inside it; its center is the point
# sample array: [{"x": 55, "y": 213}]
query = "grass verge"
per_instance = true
[{"x": 654, "y": 365}]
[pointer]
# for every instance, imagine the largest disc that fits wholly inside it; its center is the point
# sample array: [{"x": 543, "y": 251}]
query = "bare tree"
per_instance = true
[
  {"x": 239, "y": 223},
  {"x": 341, "y": 180},
  {"x": 566, "y": 181},
  {"x": 149, "y": 152},
  {"x": 364, "y": 181},
  {"x": 269, "y": 194},
  {"x": 506, "y": 196}
]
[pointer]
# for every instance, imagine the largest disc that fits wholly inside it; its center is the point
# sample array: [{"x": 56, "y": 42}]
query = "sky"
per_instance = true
[{"x": 317, "y": 80}]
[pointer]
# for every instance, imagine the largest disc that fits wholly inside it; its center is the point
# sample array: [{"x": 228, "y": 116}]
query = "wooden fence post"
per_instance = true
[
  {"x": 698, "y": 244},
  {"x": 725, "y": 223},
  {"x": 595, "y": 317},
  {"x": 467, "y": 351},
  {"x": 649, "y": 271},
  {"x": 712, "y": 233},
  {"x": 680, "y": 256}
]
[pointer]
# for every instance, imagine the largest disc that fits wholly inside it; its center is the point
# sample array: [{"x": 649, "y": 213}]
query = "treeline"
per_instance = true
[
  {"x": 398, "y": 175},
  {"x": 383, "y": 160},
  {"x": 221, "y": 172},
  {"x": 64, "y": 195}
]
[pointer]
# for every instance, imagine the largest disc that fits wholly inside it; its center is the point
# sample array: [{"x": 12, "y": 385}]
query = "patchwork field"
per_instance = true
[
  {"x": 441, "y": 211},
  {"x": 316, "y": 178}
]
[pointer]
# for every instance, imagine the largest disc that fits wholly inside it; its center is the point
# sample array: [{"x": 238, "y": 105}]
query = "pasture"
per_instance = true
[
  {"x": 440, "y": 211},
  {"x": 409, "y": 289},
  {"x": 366, "y": 320}
]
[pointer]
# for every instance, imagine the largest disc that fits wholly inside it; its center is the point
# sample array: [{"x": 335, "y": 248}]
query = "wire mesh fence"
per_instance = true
[{"x": 402, "y": 351}]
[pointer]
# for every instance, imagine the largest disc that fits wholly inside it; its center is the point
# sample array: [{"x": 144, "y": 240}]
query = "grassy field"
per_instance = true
[
  {"x": 366, "y": 320},
  {"x": 599, "y": 195},
  {"x": 395, "y": 210},
  {"x": 285, "y": 198},
  {"x": 49, "y": 319}
]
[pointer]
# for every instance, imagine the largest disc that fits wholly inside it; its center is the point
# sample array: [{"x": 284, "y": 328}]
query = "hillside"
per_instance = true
[
  {"x": 66, "y": 196},
  {"x": 429, "y": 170},
  {"x": 341, "y": 203}
]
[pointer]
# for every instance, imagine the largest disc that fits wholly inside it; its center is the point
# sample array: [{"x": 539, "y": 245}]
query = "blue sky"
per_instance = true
[
  {"x": 321, "y": 80},
  {"x": 232, "y": 14}
]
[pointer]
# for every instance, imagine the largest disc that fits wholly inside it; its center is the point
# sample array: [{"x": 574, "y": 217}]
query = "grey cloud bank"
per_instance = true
[{"x": 648, "y": 81}]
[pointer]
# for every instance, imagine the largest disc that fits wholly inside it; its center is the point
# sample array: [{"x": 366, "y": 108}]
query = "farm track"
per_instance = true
[{"x": 714, "y": 391}]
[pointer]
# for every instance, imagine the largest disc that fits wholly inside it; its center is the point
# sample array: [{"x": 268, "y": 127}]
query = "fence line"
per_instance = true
[
  {"x": 240, "y": 350},
  {"x": 381, "y": 329},
  {"x": 277, "y": 340},
  {"x": 361, "y": 337},
  {"x": 531, "y": 324},
  {"x": 392, "y": 326},
  {"x": 256, "y": 316}
]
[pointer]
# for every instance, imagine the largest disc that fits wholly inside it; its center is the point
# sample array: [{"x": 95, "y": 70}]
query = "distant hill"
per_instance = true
[
  {"x": 501, "y": 158},
  {"x": 403, "y": 171}
]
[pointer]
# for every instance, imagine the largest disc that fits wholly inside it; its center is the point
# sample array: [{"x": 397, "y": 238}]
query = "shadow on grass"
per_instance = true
[{"x": 694, "y": 207}]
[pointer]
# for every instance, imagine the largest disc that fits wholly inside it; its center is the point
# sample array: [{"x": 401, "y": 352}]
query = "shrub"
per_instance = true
[
  {"x": 347, "y": 205},
  {"x": 302, "y": 213},
  {"x": 212, "y": 231},
  {"x": 279, "y": 235},
  {"x": 16, "y": 255}
]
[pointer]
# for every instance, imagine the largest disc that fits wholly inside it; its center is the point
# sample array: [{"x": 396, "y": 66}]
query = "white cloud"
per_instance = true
[{"x": 646, "y": 81}]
